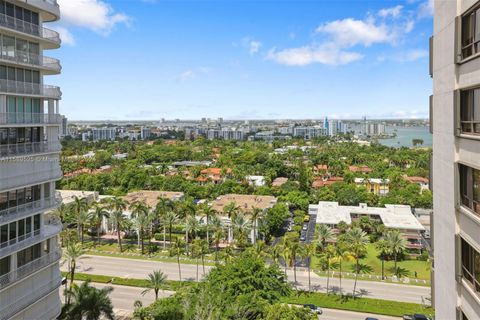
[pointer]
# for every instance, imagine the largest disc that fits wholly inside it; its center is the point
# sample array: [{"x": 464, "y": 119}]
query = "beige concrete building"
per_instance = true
[
  {"x": 455, "y": 115},
  {"x": 29, "y": 161}
]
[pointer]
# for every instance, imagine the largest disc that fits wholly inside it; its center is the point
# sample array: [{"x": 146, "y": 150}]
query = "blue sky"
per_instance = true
[{"x": 238, "y": 59}]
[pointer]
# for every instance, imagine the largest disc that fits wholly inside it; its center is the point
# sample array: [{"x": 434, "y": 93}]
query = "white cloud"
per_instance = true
[
  {"x": 65, "y": 35},
  {"x": 334, "y": 41},
  {"x": 252, "y": 45},
  {"x": 95, "y": 15},
  {"x": 393, "y": 12},
  {"x": 186, "y": 75},
  {"x": 425, "y": 9}
]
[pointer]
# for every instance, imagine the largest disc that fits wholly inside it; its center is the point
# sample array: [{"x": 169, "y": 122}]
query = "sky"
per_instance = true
[{"x": 243, "y": 59}]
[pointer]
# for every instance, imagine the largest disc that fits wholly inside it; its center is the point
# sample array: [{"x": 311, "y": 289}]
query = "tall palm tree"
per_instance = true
[
  {"x": 208, "y": 212},
  {"x": 328, "y": 255},
  {"x": 204, "y": 249},
  {"x": 72, "y": 253},
  {"x": 170, "y": 219},
  {"x": 357, "y": 241},
  {"x": 141, "y": 223},
  {"x": 384, "y": 250},
  {"x": 119, "y": 220},
  {"x": 82, "y": 219},
  {"x": 192, "y": 226},
  {"x": 163, "y": 206},
  {"x": 79, "y": 205},
  {"x": 89, "y": 302},
  {"x": 325, "y": 234},
  {"x": 196, "y": 252},
  {"x": 62, "y": 212},
  {"x": 155, "y": 281},
  {"x": 218, "y": 235},
  {"x": 307, "y": 252},
  {"x": 275, "y": 253},
  {"x": 241, "y": 228},
  {"x": 396, "y": 244},
  {"x": 176, "y": 250},
  {"x": 231, "y": 211},
  {"x": 97, "y": 216},
  {"x": 341, "y": 255},
  {"x": 255, "y": 214}
]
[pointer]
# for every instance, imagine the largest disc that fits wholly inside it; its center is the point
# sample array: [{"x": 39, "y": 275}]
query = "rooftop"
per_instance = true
[
  {"x": 151, "y": 197},
  {"x": 68, "y": 196},
  {"x": 244, "y": 201},
  {"x": 393, "y": 216},
  {"x": 278, "y": 182}
]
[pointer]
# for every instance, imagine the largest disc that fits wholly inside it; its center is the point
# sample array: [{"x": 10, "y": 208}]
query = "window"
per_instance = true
[
  {"x": 470, "y": 111},
  {"x": 4, "y": 265},
  {"x": 29, "y": 254},
  {"x": 470, "y": 265},
  {"x": 470, "y": 36},
  {"x": 470, "y": 188}
]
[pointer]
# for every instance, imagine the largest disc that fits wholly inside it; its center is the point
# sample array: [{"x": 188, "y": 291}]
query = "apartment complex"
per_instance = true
[
  {"x": 29, "y": 161},
  {"x": 455, "y": 114}
]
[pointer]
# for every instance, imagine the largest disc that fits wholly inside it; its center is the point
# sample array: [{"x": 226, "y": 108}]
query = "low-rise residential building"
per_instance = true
[
  {"x": 393, "y": 216},
  {"x": 278, "y": 182},
  {"x": 321, "y": 182},
  {"x": 215, "y": 175},
  {"x": 359, "y": 169},
  {"x": 257, "y": 181},
  {"x": 151, "y": 198},
  {"x": 376, "y": 186},
  {"x": 192, "y": 164},
  {"x": 421, "y": 181}
]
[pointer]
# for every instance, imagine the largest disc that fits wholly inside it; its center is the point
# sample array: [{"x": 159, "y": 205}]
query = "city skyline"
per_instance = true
[{"x": 252, "y": 60}]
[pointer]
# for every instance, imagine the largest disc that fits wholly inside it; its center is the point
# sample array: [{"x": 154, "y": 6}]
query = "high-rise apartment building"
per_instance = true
[
  {"x": 29, "y": 161},
  {"x": 455, "y": 113}
]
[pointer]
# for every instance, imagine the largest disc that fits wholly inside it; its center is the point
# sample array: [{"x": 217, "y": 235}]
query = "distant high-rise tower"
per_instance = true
[{"x": 29, "y": 137}]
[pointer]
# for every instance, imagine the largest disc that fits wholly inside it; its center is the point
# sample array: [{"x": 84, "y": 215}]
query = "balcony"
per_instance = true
[
  {"x": 28, "y": 209},
  {"x": 23, "y": 149},
  {"x": 51, "y": 65},
  {"x": 27, "y": 88},
  {"x": 52, "y": 38},
  {"x": 50, "y": 8},
  {"x": 9, "y": 118},
  {"x": 27, "y": 269},
  {"x": 37, "y": 293},
  {"x": 48, "y": 230}
]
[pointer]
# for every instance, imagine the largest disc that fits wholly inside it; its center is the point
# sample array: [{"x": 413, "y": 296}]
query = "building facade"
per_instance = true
[
  {"x": 29, "y": 161},
  {"x": 455, "y": 122},
  {"x": 104, "y": 134}
]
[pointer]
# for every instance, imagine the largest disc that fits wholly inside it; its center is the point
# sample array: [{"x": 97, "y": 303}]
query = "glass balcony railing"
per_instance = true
[
  {"x": 29, "y": 58},
  {"x": 18, "y": 87},
  {"x": 29, "y": 268},
  {"x": 22, "y": 149},
  {"x": 29, "y": 118},
  {"x": 27, "y": 209},
  {"x": 29, "y": 28}
]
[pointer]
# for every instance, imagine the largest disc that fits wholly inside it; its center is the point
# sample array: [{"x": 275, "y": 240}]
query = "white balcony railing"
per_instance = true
[
  {"x": 47, "y": 231},
  {"x": 22, "y": 149},
  {"x": 29, "y": 118},
  {"x": 8, "y": 311},
  {"x": 29, "y": 58},
  {"x": 19, "y": 87},
  {"x": 27, "y": 209},
  {"x": 29, "y": 28},
  {"x": 29, "y": 268}
]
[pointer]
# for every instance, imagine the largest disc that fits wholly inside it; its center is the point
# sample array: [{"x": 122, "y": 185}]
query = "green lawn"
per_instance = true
[
  {"x": 376, "y": 306},
  {"x": 371, "y": 259}
]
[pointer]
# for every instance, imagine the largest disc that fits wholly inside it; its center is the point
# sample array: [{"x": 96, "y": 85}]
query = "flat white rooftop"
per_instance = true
[{"x": 393, "y": 216}]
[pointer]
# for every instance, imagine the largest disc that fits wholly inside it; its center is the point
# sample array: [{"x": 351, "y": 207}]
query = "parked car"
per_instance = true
[
  {"x": 306, "y": 218},
  {"x": 302, "y": 237},
  {"x": 313, "y": 308},
  {"x": 305, "y": 227},
  {"x": 426, "y": 234},
  {"x": 370, "y": 318},
  {"x": 415, "y": 317}
]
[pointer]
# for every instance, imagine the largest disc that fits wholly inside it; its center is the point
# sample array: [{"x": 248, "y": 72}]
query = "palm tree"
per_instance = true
[
  {"x": 396, "y": 244},
  {"x": 163, "y": 206},
  {"x": 275, "y": 253},
  {"x": 119, "y": 220},
  {"x": 204, "y": 249},
  {"x": 79, "y": 205},
  {"x": 325, "y": 234},
  {"x": 196, "y": 252},
  {"x": 356, "y": 240},
  {"x": 89, "y": 302},
  {"x": 208, "y": 212},
  {"x": 218, "y": 235},
  {"x": 231, "y": 210},
  {"x": 307, "y": 252},
  {"x": 141, "y": 222},
  {"x": 255, "y": 215},
  {"x": 72, "y": 253},
  {"x": 82, "y": 219},
  {"x": 328, "y": 255},
  {"x": 98, "y": 215},
  {"x": 170, "y": 219},
  {"x": 384, "y": 249},
  {"x": 341, "y": 255},
  {"x": 191, "y": 226},
  {"x": 62, "y": 212},
  {"x": 155, "y": 281},
  {"x": 176, "y": 249},
  {"x": 241, "y": 227}
]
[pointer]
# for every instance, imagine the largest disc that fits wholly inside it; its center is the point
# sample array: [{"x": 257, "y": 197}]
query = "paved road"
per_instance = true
[
  {"x": 139, "y": 269},
  {"x": 123, "y": 298}
]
